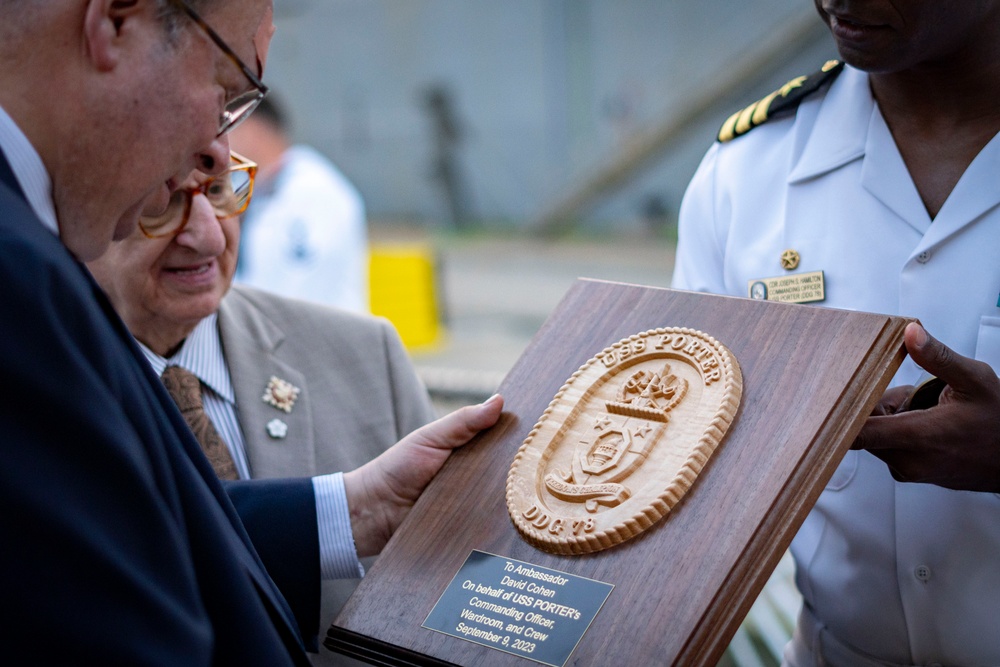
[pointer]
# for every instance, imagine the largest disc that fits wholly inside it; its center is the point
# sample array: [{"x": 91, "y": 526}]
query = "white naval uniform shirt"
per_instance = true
[
  {"x": 908, "y": 573},
  {"x": 307, "y": 237},
  {"x": 202, "y": 355}
]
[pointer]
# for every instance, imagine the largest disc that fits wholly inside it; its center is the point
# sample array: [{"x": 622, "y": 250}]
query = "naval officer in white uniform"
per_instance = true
[{"x": 884, "y": 174}]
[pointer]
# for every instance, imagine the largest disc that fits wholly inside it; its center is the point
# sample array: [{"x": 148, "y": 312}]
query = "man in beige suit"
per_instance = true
[
  {"x": 293, "y": 388},
  {"x": 358, "y": 394}
]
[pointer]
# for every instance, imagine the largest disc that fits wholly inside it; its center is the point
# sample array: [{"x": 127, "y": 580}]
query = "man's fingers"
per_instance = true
[
  {"x": 891, "y": 400},
  {"x": 380, "y": 493},
  {"x": 457, "y": 428},
  {"x": 938, "y": 359},
  {"x": 886, "y": 432},
  {"x": 485, "y": 414}
]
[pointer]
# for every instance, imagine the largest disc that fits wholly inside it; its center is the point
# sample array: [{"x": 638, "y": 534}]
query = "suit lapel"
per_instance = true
[
  {"x": 247, "y": 555},
  {"x": 251, "y": 343},
  {"x": 170, "y": 419}
]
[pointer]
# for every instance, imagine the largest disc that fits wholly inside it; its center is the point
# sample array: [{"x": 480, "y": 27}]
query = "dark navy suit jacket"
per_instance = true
[{"x": 118, "y": 545}]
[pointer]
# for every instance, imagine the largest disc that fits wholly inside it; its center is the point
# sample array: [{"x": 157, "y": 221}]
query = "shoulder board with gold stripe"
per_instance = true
[{"x": 789, "y": 96}]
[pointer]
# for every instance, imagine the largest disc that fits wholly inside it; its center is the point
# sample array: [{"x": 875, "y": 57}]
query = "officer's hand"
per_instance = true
[
  {"x": 954, "y": 444},
  {"x": 381, "y": 492}
]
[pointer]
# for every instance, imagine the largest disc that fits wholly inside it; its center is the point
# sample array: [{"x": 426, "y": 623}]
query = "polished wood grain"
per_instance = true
[{"x": 810, "y": 377}]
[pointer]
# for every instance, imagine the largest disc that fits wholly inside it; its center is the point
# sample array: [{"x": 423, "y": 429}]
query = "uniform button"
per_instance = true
[
  {"x": 924, "y": 257},
  {"x": 922, "y": 573}
]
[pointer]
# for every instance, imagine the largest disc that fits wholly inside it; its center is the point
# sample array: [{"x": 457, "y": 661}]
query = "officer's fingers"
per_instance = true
[
  {"x": 892, "y": 431},
  {"x": 962, "y": 374},
  {"x": 891, "y": 400}
]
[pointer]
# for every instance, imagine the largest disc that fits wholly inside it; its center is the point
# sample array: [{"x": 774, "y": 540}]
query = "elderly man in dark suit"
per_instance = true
[
  {"x": 119, "y": 542},
  {"x": 352, "y": 390}
]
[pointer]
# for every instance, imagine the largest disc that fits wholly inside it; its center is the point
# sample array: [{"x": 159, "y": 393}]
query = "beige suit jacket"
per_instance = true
[{"x": 359, "y": 393}]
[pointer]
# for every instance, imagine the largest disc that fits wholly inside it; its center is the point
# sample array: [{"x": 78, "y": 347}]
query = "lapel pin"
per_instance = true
[
  {"x": 790, "y": 260},
  {"x": 277, "y": 429},
  {"x": 280, "y": 393}
]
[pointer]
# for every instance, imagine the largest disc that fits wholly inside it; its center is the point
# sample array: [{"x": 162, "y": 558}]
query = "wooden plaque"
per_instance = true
[{"x": 682, "y": 584}]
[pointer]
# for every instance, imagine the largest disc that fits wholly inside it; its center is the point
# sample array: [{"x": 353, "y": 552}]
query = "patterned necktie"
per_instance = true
[{"x": 185, "y": 388}]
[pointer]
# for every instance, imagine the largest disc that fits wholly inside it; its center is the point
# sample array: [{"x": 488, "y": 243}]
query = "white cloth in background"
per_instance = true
[{"x": 304, "y": 234}]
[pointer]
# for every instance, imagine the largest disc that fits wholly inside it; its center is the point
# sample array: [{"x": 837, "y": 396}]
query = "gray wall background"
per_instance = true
[{"x": 546, "y": 91}]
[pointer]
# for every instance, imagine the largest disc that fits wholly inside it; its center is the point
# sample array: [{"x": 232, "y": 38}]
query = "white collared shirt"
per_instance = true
[
  {"x": 201, "y": 353},
  {"x": 29, "y": 171}
]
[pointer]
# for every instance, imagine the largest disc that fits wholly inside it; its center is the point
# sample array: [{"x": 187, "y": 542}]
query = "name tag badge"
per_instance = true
[{"x": 799, "y": 288}]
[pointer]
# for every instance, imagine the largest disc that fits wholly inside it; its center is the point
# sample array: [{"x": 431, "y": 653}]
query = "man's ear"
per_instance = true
[{"x": 104, "y": 26}]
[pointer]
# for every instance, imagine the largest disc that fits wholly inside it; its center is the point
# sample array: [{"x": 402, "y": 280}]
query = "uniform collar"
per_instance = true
[
  {"x": 846, "y": 125},
  {"x": 836, "y": 131}
]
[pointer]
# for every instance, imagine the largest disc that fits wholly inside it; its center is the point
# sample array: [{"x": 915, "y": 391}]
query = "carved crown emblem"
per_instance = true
[
  {"x": 623, "y": 440},
  {"x": 649, "y": 394}
]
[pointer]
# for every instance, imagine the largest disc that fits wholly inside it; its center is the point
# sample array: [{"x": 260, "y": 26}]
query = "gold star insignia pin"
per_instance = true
[
  {"x": 280, "y": 393},
  {"x": 790, "y": 260}
]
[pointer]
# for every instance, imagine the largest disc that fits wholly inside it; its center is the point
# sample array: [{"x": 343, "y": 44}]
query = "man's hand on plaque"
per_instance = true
[
  {"x": 381, "y": 492},
  {"x": 955, "y": 442}
]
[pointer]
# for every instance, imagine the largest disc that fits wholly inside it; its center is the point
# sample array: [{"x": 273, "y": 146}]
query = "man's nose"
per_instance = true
[
  {"x": 215, "y": 159},
  {"x": 203, "y": 232}
]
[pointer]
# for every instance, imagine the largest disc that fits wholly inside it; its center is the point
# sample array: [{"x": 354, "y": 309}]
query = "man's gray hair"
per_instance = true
[
  {"x": 17, "y": 17},
  {"x": 173, "y": 17}
]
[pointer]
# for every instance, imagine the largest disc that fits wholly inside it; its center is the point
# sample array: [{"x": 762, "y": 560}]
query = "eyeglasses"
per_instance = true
[
  {"x": 229, "y": 194},
  {"x": 242, "y": 105}
]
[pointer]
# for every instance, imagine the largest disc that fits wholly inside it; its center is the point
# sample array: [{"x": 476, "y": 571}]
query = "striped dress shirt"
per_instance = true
[{"x": 201, "y": 353}]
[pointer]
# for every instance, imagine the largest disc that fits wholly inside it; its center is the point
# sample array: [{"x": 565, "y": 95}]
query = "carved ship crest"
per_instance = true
[{"x": 623, "y": 440}]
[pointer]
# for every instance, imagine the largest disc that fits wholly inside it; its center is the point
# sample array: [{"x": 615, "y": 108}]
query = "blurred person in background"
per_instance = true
[
  {"x": 304, "y": 235},
  {"x": 292, "y": 388}
]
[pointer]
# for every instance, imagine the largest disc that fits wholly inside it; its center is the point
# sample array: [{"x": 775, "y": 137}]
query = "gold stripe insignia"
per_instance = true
[{"x": 786, "y": 98}]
